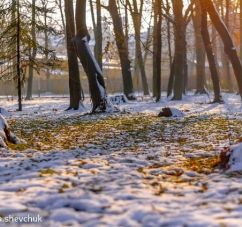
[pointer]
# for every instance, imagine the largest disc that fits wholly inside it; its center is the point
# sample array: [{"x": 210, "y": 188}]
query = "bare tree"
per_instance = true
[
  {"x": 76, "y": 94},
  {"x": 32, "y": 53},
  {"x": 210, "y": 57},
  {"x": 89, "y": 63},
  {"x": 136, "y": 16},
  {"x": 122, "y": 49},
  {"x": 157, "y": 48},
  {"x": 200, "y": 50},
  {"x": 229, "y": 47}
]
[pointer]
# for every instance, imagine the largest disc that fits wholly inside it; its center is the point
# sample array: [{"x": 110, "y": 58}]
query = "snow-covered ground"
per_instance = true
[{"x": 121, "y": 169}]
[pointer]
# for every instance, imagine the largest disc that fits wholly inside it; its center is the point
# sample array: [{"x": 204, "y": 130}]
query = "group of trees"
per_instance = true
[{"x": 167, "y": 23}]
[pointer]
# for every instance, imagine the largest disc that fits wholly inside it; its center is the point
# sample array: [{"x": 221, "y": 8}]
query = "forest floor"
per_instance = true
[{"x": 129, "y": 168}]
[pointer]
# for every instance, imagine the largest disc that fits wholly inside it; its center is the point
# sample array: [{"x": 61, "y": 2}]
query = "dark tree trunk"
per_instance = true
[
  {"x": 13, "y": 18},
  {"x": 210, "y": 56},
  {"x": 32, "y": 54},
  {"x": 154, "y": 78},
  {"x": 136, "y": 16},
  {"x": 185, "y": 80},
  {"x": 229, "y": 47},
  {"x": 122, "y": 50},
  {"x": 18, "y": 59},
  {"x": 227, "y": 65},
  {"x": 200, "y": 51},
  {"x": 179, "y": 49},
  {"x": 169, "y": 33},
  {"x": 46, "y": 47},
  {"x": 74, "y": 78},
  {"x": 89, "y": 63},
  {"x": 171, "y": 78},
  {"x": 158, "y": 52},
  {"x": 98, "y": 38}
]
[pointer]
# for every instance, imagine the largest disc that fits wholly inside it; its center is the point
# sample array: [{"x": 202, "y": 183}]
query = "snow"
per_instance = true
[
  {"x": 122, "y": 174},
  {"x": 235, "y": 160},
  {"x": 176, "y": 112},
  {"x": 101, "y": 89},
  {"x": 4, "y": 112}
]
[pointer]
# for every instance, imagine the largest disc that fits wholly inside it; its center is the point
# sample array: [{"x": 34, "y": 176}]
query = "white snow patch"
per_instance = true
[
  {"x": 176, "y": 112},
  {"x": 235, "y": 160}
]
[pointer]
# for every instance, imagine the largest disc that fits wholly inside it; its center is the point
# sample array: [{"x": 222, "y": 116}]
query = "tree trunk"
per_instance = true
[
  {"x": 158, "y": 52},
  {"x": 185, "y": 65},
  {"x": 122, "y": 50},
  {"x": 74, "y": 79},
  {"x": 210, "y": 56},
  {"x": 18, "y": 58},
  {"x": 89, "y": 63},
  {"x": 229, "y": 47},
  {"x": 169, "y": 33},
  {"x": 154, "y": 78},
  {"x": 98, "y": 38},
  {"x": 13, "y": 18},
  {"x": 136, "y": 16},
  {"x": 227, "y": 65},
  {"x": 46, "y": 47},
  {"x": 32, "y": 54},
  {"x": 97, "y": 27},
  {"x": 200, "y": 51},
  {"x": 179, "y": 49},
  {"x": 171, "y": 78}
]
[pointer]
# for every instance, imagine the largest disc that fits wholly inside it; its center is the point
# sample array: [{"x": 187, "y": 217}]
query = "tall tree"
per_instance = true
[
  {"x": 18, "y": 58},
  {"x": 32, "y": 53},
  {"x": 181, "y": 68},
  {"x": 97, "y": 27},
  {"x": 226, "y": 60},
  {"x": 157, "y": 53},
  {"x": 122, "y": 49},
  {"x": 46, "y": 40},
  {"x": 229, "y": 47},
  {"x": 179, "y": 48},
  {"x": 89, "y": 63},
  {"x": 76, "y": 94},
  {"x": 98, "y": 38},
  {"x": 136, "y": 16},
  {"x": 210, "y": 56},
  {"x": 200, "y": 50}
]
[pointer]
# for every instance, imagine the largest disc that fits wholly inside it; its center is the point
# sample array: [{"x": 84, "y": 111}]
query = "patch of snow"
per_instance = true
[
  {"x": 176, "y": 112},
  {"x": 235, "y": 160},
  {"x": 4, "y": 112}
]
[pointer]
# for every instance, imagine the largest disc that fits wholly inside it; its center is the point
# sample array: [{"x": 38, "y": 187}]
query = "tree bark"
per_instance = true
[
  {"x": 200, "y": 51},
  {"x": 98, "y": 38},
  {"x": 74, "y": 79},
  {"x": 227, "y": 65},
  {"x": 210, "y": 56},
  {"x": 46, "y": 47},
  {"x": 154, "y": 78},
  {"x": 136, "y": 16},
  {"x": 229, "y": 47},
  {"x": 179, "y": 49},
  {"x": 18, "y": 59},
  {"x": 89, "y": 63},
  {"x": 32, "y": 54},
  {"x": 171, "y": 78},
  {"x": 158, "y": 52},
  {"x": 122, "y": 50}
]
